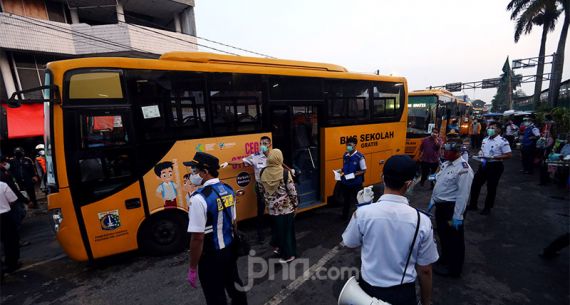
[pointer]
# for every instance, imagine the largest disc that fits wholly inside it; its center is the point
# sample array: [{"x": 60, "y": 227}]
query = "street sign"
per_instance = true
[
  {"x": 490, "y": 83},
  {"x": 452, "y": 87}
]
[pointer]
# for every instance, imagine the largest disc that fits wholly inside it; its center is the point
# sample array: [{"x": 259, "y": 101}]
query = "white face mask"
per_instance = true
[
  {"x": 41, "y": 152},
  {"x": 196, "y": 179},
  {"x": 7, "y": 166}
]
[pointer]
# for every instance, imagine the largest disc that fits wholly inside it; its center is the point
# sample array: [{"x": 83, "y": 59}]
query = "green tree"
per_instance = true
[
  {"x": 528, "y": 13},
  {"x": 558, "y": 63},
  {"x": 502, "y": 100}
]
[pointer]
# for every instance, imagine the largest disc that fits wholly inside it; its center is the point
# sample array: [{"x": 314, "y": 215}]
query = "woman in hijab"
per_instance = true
[{"x": 281, "y": 199}]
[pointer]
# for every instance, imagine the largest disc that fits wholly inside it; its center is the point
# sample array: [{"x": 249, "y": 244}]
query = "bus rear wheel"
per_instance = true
[{"x": 163, "y": 234}]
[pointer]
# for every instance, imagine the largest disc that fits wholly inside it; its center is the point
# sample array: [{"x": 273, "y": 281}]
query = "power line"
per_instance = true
[{"x": 195, "y": 36}]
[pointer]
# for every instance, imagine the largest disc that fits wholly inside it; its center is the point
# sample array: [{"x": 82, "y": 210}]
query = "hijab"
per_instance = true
[{"x": 273, "y": 174}]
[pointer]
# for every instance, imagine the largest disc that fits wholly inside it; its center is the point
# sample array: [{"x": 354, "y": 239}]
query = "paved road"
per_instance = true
[{"x": 502, "y": 266}]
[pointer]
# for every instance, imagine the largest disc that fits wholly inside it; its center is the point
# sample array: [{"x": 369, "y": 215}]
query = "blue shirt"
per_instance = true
[
  {"x": 385, "y": 231},
  {"x": 351, "y": 164}
]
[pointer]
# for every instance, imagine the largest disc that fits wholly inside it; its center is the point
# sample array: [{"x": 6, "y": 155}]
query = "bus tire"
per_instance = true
[{"x": 164, "y": 233}]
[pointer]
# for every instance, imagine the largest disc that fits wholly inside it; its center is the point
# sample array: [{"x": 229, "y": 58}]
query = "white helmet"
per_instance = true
[{"x": 39, "y": 147}]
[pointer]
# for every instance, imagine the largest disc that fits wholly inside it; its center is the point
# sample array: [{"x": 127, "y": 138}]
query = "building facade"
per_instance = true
[{"x": 35, "y": 32}]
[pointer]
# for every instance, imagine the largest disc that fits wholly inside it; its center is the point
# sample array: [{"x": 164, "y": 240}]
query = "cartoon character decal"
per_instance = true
[{"x": 167, "y": 189}]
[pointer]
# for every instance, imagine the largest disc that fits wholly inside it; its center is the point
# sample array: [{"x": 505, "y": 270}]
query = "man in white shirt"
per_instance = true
[
  {"x": 258, "y": 161},
  {"x": 397, "y": 241},
  {"x": 450, "y": 195},
  {"x": 494, "y": 150},
  {"x": 9, "y": 230}
]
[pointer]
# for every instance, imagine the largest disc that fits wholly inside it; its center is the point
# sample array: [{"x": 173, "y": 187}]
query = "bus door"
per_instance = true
[
  {"x": 295, "y": 131},
  {"x": 102, "y": 177}
]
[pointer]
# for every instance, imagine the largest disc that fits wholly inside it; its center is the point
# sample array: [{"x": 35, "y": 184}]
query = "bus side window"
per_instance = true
[
  {"x": 102, "y": 131},
  {"x": 387, "y": 101},
  {"x": 236, "y": 102}
]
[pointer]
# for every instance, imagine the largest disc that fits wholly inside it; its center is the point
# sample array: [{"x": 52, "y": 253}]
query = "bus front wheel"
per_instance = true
[{"x": 164, "y": 233}]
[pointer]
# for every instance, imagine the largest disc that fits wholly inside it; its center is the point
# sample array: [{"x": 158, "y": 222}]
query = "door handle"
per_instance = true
[{"x": 132, "y": 203}]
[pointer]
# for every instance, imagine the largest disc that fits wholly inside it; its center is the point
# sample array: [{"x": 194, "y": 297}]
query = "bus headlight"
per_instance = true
[{"x": 57, "y": 218}]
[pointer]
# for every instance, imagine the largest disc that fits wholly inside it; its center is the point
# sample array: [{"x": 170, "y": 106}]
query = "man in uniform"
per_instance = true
[
  {"x": 212, "y": 214},
  {"x": 397, "y": 241},
  {"x": 259, "y": 161},
  {"x": 450, "y": 196},
  {"x": 528, "y": 146},
  {"x": 494, "y": 150},
  {"x": 352, "y": 175},
  {"x": 24, "y": 171}
]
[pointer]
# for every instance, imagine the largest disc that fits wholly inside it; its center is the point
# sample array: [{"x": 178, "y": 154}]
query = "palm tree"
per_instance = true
[
  {"x": 528, "y": 13},
  {"x": 558, "y": 63}
]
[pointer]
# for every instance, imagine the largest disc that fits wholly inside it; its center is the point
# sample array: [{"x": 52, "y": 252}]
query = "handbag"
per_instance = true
[{"x": 240, "y": 245}]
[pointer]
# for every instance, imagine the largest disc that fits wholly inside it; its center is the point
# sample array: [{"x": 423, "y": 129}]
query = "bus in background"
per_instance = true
[
  {"x": 465, "y": 117},
  {"x": 424, "y": 113},
  {"x": 118, "y": 130},
  {"x": 454, "y": 114}
]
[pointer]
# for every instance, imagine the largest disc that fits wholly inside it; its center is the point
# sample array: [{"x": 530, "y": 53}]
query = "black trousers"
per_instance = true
[
  {"x": 490, "y": 173},
  {"x": 475, "y": 141},
  {"x": 396, "y": 295},
  {"x": 260, "y": 211},
  {"x": 528, "y": 153},
  {"x": 452, "y": 240},
  {"x": 218, "y": 274},
  {"x": 349, "y": 198},
  {"x": 427, "y": 169},
  {"x": 283, "y": 234},
  {"x": 10, "y": 238}
]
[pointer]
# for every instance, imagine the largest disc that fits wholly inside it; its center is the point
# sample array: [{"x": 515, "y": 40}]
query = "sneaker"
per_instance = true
[
  {"x": 285, "y": 261},
  {"x": 276, "y": 251}
]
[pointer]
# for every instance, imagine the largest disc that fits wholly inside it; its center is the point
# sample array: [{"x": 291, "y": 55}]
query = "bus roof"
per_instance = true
[
  {"x": 430, "y": 92},
  {"x": 208, "y": 62},
  {"x": 204, "y": 57}
]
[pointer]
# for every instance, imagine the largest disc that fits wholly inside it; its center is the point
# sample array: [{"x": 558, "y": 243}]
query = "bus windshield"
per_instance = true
[{"x": 421, "y": 112}]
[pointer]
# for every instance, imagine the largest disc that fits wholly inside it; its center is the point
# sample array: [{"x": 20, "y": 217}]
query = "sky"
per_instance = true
[{"x": 430, "y": 42}]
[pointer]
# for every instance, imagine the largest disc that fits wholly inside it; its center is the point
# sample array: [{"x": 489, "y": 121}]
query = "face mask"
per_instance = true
[
  {"x": 349, "y": 148},
  {"x": 263, "y": 148},
  {"x": 434, "y": 135},
  {"x": 490, "y": 132},
  {"x": 7, "y": 166},
  {"x": 196, "y": 179},
  {"x": 449, "y": 155},
  {"x": 41, "y": 152}
]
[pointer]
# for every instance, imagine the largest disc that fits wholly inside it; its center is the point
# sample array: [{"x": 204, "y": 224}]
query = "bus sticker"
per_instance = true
[{"x": 109, "y": 220}]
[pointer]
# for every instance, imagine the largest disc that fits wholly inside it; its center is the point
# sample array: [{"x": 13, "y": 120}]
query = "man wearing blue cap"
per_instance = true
[
  {"x": 397, "y": 241},
  {"x": 212, "y": 215}
]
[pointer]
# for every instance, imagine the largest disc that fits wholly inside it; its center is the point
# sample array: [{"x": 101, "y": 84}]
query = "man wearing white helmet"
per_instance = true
[{"x": 41, "y": 165}]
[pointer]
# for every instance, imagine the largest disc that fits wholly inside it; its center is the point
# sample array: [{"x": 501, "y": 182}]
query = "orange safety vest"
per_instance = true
[{"x": 42, "y": 162}]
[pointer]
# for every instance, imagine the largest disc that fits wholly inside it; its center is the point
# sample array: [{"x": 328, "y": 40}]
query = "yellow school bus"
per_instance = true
[
  {"x": 117, "y": 131},
  {"x": 425, "y": 111}
]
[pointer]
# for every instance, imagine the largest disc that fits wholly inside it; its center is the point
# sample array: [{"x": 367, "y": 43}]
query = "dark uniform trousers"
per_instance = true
[
  {"x": 428, "y": 169},
  {"x": 528, "y": 153},
  {"x": 451, "y": 239},
  {"x": 260, "y": 211},
  {"x": 490, "y": 173},
  {"x": 396, "y": 295},
  {"x": 349, "y": 198},
  {"x": 10, "y": 239},
  {"x": 218, "y": 274}
]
